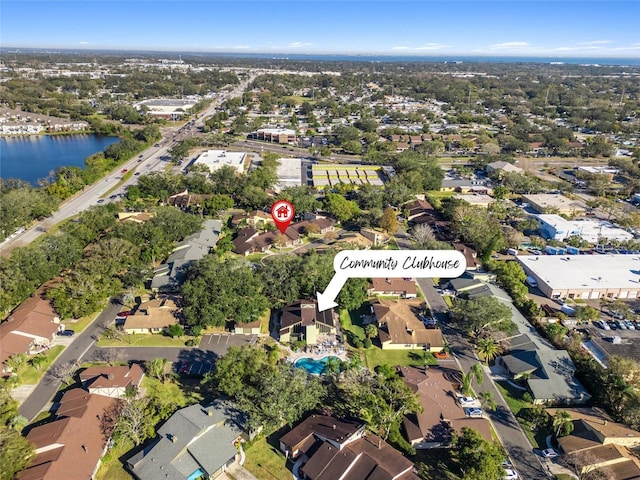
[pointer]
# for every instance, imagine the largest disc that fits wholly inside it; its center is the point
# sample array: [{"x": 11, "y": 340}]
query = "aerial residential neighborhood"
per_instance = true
[{"x": 170, "y": 220}]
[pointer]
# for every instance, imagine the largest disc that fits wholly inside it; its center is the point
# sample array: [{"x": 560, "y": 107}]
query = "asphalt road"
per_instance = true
[
  {"x": 515, "y": 442},
  {"x": 74, "y": 353},
  {"x": 152, "y": 159}
]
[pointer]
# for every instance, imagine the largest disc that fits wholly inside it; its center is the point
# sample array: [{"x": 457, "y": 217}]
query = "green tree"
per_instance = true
[
  {"x": 354, "y": 293},
  {"x": 481, "y": 313},
  {"x": 562, "y": 423},
  {"x": 389, "y": 221},
  {"x": 487, "y": 401},
  {"x": 17, "y": 453},
  {"x": 371, "y": 331},
  {"x": 175, "y": 330},
  {"x": 477, "y": 458},
  {"x": 475, "y": 372},
  {"x": 343, "y": 209},
  {"x": 488, "y": 348}
]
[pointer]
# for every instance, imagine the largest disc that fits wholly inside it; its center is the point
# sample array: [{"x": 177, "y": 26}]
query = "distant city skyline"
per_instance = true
[{"x": 430, "y": 28}]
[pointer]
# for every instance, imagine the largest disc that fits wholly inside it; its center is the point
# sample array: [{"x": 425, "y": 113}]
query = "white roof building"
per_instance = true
[
  {"x": 167, "y": 106},
  {"x": 289, "y": 173},
  {"x": 584, "y": 276},
  {"x": 216, "y": 159}
]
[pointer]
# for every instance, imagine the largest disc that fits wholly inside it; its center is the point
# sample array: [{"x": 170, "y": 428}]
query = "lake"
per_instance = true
[{"x": 32, "y": 157}]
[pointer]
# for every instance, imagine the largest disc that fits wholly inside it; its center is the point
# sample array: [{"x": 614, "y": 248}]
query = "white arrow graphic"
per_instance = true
[
  {"x": 389, "y": 264},
  {"x": 326, "y": 300}
]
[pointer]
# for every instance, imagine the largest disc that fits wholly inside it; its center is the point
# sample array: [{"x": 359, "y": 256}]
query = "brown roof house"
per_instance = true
[
  {"x": 250, "y": 240},
  {"x": 442, "y": 414},
  {"x": 398, "y": 287},
  {"x": 302, "y": 321},
  {"x": 256, "y": 219},
  {"x": 470, "y": 255},
  {"x": 598, "y": 443},
  {"x": 72, "y": 445},
  {"x": 186, "y": 199},
  {"x": 29, "y": 329},
  {"x": 400, "y": 328},
  {"x": 153, "y": 316},
  {"x": 112, "y": 381},
  {"x": 327, "y": 448}
]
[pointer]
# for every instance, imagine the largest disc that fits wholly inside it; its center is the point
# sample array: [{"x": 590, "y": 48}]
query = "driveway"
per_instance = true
[
  {"x": 73, "y": 353},
  {"x": 508, "y": 429}
]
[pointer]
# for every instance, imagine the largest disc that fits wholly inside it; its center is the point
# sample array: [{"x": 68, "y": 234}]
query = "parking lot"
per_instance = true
[
  {"x": 199, "y": 361},
  {"x": 629, "y": 340},
  {"x": 220, "y": 343}
]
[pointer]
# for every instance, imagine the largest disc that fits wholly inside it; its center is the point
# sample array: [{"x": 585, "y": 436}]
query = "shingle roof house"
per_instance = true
[{"x": 196, "y": 441}]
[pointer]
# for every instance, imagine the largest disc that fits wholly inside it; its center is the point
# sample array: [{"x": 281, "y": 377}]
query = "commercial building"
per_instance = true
[
  {"x": 584, "y": 276},
  {"x": 332, "y": 175},
  {"x": 276, "y": 135},
  {"x": 548, "y": 202},
  {"x": 555, "y": 227},
  {"x": 216, "y": 159},
  {"x": 169, "y": 108},
  {"x": 289, "y": 173}
]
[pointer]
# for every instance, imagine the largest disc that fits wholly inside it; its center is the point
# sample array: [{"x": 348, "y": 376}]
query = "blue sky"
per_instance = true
[{"x": 504, "y": 28}]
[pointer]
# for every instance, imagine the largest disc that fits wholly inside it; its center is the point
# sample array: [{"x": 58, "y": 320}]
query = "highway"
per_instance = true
[{"x": 150, "y": 160}]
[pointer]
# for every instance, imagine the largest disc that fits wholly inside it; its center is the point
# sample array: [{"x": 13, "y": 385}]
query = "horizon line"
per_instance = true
[{"x": 233, "y": 53}]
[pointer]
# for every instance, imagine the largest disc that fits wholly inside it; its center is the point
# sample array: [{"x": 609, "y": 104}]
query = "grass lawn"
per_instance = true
[
  {"x": 141, "y": 340},
  {"x": 265, "y": 461},
  {"x": 518, "y": 406},
  {"x": 28, "y": 375},
  {"x": 375, "y": 356},
  {"x": 351, "y": 322},
  {"x": 81, "y": 323},
  {"x": 111, "y": 468}
]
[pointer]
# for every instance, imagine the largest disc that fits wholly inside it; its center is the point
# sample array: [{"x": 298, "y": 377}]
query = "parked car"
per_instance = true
[
  {"x": 621, "y": 325},
  {"x": 184, "y": 367},
  {"x": 613, "y": 325},
  {"x": 441, "y": 355},
  {"x": 473, "y": 412},
  {"x": 510, "y": 474},
  {"x": 469, "y": 401},
  {"x": 629, "y": 324},
  {"x": 67, "y": 333},
  {"x": 549, "y": 453},
  {"x": 124, "y": 314}
]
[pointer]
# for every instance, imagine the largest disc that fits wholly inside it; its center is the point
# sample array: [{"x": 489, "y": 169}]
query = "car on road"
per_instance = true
[
  {"x": 549, "y": 453},
  {"x": 67, "y": 333},
  {"x": 112, "y": 197},
  {"x": 100, "y": 200},
  {"x": 157, "y": 145},
  {"x": 471, "y": 402},
  {"x": 124, "y": 170},
  {"x": 136, "y": 174},
  {"x": 510, "y": 474},
  {"x": 473, "y": 412},
  {"x": 441, "y": 355}
]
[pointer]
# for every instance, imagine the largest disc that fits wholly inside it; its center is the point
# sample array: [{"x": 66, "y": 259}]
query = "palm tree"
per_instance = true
[
  {"x": 474, "y": 372},
  {"x": 562, "y": 421},
  {"x": 488, "y": 348},
  {"x": 487, "y": 401}
]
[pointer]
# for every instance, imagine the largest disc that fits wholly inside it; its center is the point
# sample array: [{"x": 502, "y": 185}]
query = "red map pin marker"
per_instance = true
[{"x": 282, "y": 213}]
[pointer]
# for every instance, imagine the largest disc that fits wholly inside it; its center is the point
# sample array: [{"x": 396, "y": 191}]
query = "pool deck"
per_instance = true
[{"x": 339, "y": 352}]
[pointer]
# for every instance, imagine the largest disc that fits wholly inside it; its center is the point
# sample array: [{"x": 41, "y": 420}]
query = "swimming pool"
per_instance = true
[{"x": 314, "y": 367}]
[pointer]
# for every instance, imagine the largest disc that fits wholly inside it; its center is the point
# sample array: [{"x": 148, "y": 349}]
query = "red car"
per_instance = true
[
  {"x": 124, "y": 170},
  {"x": 124, "y": 314},
  {"x": 441, "y": 355}
]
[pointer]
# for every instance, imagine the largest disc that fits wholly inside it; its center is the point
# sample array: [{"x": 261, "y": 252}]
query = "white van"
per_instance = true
[{"x": 531, "y": 282}]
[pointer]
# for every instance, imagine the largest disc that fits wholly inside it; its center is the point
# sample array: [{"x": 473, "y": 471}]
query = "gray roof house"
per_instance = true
[
  {"x": 195, "y": 442},
  {"x": 169, "y": 276},
  {"x": 550, "y": 372}
]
